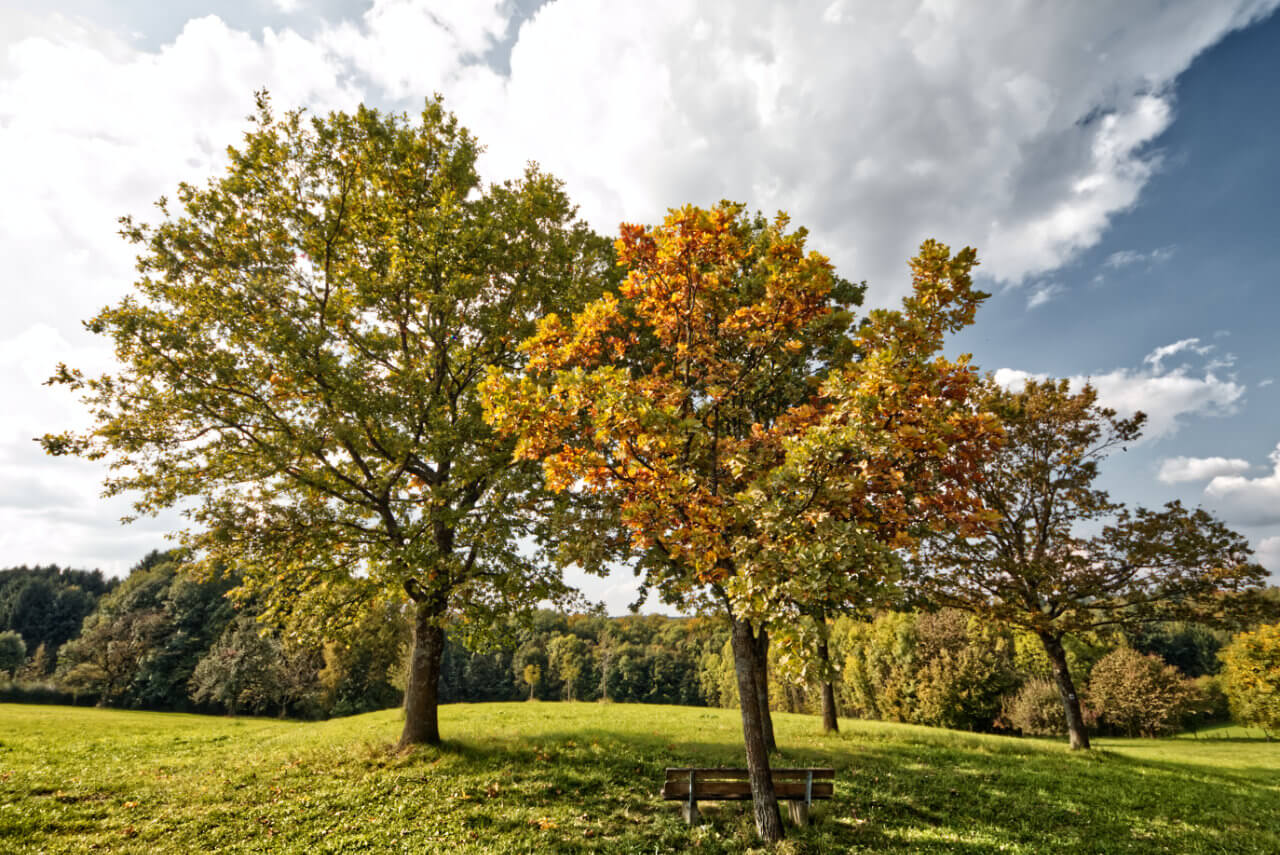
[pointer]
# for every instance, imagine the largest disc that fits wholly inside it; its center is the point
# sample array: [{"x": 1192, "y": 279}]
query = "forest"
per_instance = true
[{"x": 161, "y": 640}]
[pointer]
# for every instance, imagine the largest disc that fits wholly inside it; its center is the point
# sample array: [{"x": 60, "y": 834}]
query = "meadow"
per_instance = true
[{"x": 561, "y": 777}]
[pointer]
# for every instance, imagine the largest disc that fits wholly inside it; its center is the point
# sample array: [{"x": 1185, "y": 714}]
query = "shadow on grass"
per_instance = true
[{"x": 951, "y": 794}]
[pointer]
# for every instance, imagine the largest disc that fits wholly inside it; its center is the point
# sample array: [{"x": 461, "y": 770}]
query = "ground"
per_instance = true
[{"x": 552, "y": 777}]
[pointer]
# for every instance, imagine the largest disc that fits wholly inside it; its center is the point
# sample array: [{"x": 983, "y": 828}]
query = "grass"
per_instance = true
[{"x": 550, "y": 777}]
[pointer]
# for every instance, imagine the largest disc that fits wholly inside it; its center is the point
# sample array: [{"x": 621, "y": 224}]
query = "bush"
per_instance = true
[
  {"x": 1137, "y": 694},
  {"x": 1208, "y": 703},
  {"x": 1251, "y": 673},
  {"x": 1035, "y": 710}
]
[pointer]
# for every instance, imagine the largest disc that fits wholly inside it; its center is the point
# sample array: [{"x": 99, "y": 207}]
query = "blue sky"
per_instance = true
[{"x": 1113, "y": 164}]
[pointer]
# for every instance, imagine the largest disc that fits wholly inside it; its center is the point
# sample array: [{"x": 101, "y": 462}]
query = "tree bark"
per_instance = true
[
  {"x": 760, "y": 652},
  {"x": 830, "y": 724},
  {"x": 422, "y": 689},
  {"x": 1067, "y": 690},
  {"x": 763, "y": 799}
]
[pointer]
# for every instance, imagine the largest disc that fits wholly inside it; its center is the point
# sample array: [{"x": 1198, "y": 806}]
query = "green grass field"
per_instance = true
[{"x": 551, "y": 777}]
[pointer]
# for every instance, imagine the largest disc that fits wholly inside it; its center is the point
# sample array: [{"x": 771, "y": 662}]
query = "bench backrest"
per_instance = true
[{"x": 736, "y": 783}]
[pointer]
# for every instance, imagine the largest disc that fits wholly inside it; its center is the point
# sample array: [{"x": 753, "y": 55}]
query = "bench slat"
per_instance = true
[
  {"x": 741, "y": 774},
  {"x": 726, "y": 790}
]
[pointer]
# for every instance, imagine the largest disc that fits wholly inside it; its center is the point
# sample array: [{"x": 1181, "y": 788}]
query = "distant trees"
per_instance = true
[
  {"x": 1032, "y": 566},
  {"x": 47, "y": 605},
  {"x": 13, "y": 652},
  {"x": 141, "y": 646},
  {"x": 1252, "y": 675}
]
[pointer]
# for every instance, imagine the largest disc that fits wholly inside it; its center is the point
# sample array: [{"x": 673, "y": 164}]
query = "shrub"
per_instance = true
[
  {"x": 1036, "y": 709},
  {"x": 1208, "y": 703},
  {"x": 1139, "y": 694},
  {"x": 1251, "y": 673}
]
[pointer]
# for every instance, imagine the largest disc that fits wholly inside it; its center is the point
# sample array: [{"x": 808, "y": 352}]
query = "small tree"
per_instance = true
[
  {"x": 299, "y": 363},
  {"x": 532, "y": 676},
  {"x": 1139, "y": 694},
  {"x": 1251, "y": 669},
  {"x": 1030, "y": 566},
  {"x": 13, "y": 652}
]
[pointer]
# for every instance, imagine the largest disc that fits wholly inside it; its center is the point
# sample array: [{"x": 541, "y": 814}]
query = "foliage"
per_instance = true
[
  {"x": 140, "y": 647},
  {"x": 940, "y": 668},
  {"x": 1031, "y": 566},
  {"x": 580, "y": 778},
  {"x": 48, "y": 604},
  {"x": 241, "y": 671},
  {"x": 1251, "y": 671},
  {"x": 299, "y": 361},
  {"x": 13, "y": 652},
  {"x": 1190, "y": 647},
  {"x": 1035, "y": 709},
  {"x": 1139, "y": 694}
]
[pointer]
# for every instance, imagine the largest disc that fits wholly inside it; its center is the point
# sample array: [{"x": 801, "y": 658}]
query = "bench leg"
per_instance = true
[
  {"x": 689, "y": 810},
  {"x": 799, "y": 812}
]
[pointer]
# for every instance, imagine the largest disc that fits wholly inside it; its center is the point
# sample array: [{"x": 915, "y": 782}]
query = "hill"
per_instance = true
[{"x": 555, "y": 777}]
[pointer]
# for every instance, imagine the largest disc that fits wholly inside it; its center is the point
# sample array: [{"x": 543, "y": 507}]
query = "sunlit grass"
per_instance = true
[{"x": 550, "y": 777}]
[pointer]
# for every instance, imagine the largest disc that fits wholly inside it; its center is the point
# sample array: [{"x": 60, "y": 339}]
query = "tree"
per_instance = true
[
  {"x": 681, "y": 398},
  {"x": 1139, "y": 693},
  {"x": 1251, "y": 668},
  {"x": 298, "y": 371},
  {"x": 532, "y": 675},
  {"x": 13, "y": 652},
  {"x": 1032, "y": 567},
  {"x": 241, "y": 670}
]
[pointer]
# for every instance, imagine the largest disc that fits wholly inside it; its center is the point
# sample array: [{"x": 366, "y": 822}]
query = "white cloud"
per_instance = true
[
  {"x": 1268, "y": 553},
  {"x": 410, "y": 49},
  {"x": 1262, "y": 384},
  {"x": 1249, "y": 501},
  {"x": 1160, "y": 354},
  {"x": 1174, "y": 470},
  {"x": 1042, "y": 294},
  {"x": 1129, "y": 257},
  {"x": 1022, "y": 131},
  {"x": 1167, "y": 396}
]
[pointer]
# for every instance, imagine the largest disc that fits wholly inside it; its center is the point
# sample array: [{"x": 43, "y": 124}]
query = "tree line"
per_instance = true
[{"x": 376, "y": 384}]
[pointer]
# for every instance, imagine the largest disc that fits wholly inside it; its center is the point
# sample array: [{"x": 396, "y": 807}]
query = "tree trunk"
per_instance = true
[
  {"x": 422, "y": 689},
  {"x": 760, "y": 651},
  {"x": 1067, "y": 690},
  {"x": 764, "y": 801},
  {"x": 829, "y": 722}
]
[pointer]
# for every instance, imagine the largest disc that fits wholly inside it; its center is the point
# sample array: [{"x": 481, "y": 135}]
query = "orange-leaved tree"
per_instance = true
[{"x": 714, "y": 400}]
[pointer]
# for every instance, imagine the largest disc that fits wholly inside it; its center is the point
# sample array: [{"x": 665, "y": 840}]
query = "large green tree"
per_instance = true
[
  {"x": 298, "y": 364},
  {"x": 1058, "y": 557}
]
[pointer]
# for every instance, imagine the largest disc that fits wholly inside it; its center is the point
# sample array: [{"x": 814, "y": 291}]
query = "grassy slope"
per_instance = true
[{"x": 583, "y": 777}]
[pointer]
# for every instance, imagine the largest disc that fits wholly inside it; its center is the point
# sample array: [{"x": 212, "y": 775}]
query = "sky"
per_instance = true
[{"x": 1113, "y": 163}]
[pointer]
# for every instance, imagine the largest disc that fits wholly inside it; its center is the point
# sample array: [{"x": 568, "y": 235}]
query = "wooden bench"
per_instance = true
[{"x": 798, "y": 787}]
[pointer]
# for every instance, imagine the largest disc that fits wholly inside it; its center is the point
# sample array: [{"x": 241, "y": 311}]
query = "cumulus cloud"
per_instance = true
[
  {"x": 1167, "y": 396},
  {"x": 1021, "y": 132},
  {"x": 1249, "y": 501},
  {"x": 1175, "y": 470}
]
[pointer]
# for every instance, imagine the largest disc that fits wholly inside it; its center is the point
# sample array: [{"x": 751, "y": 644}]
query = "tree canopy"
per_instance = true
[
  {"x": 720, "y": 400},
  {"x": 298, "y": 367}
]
